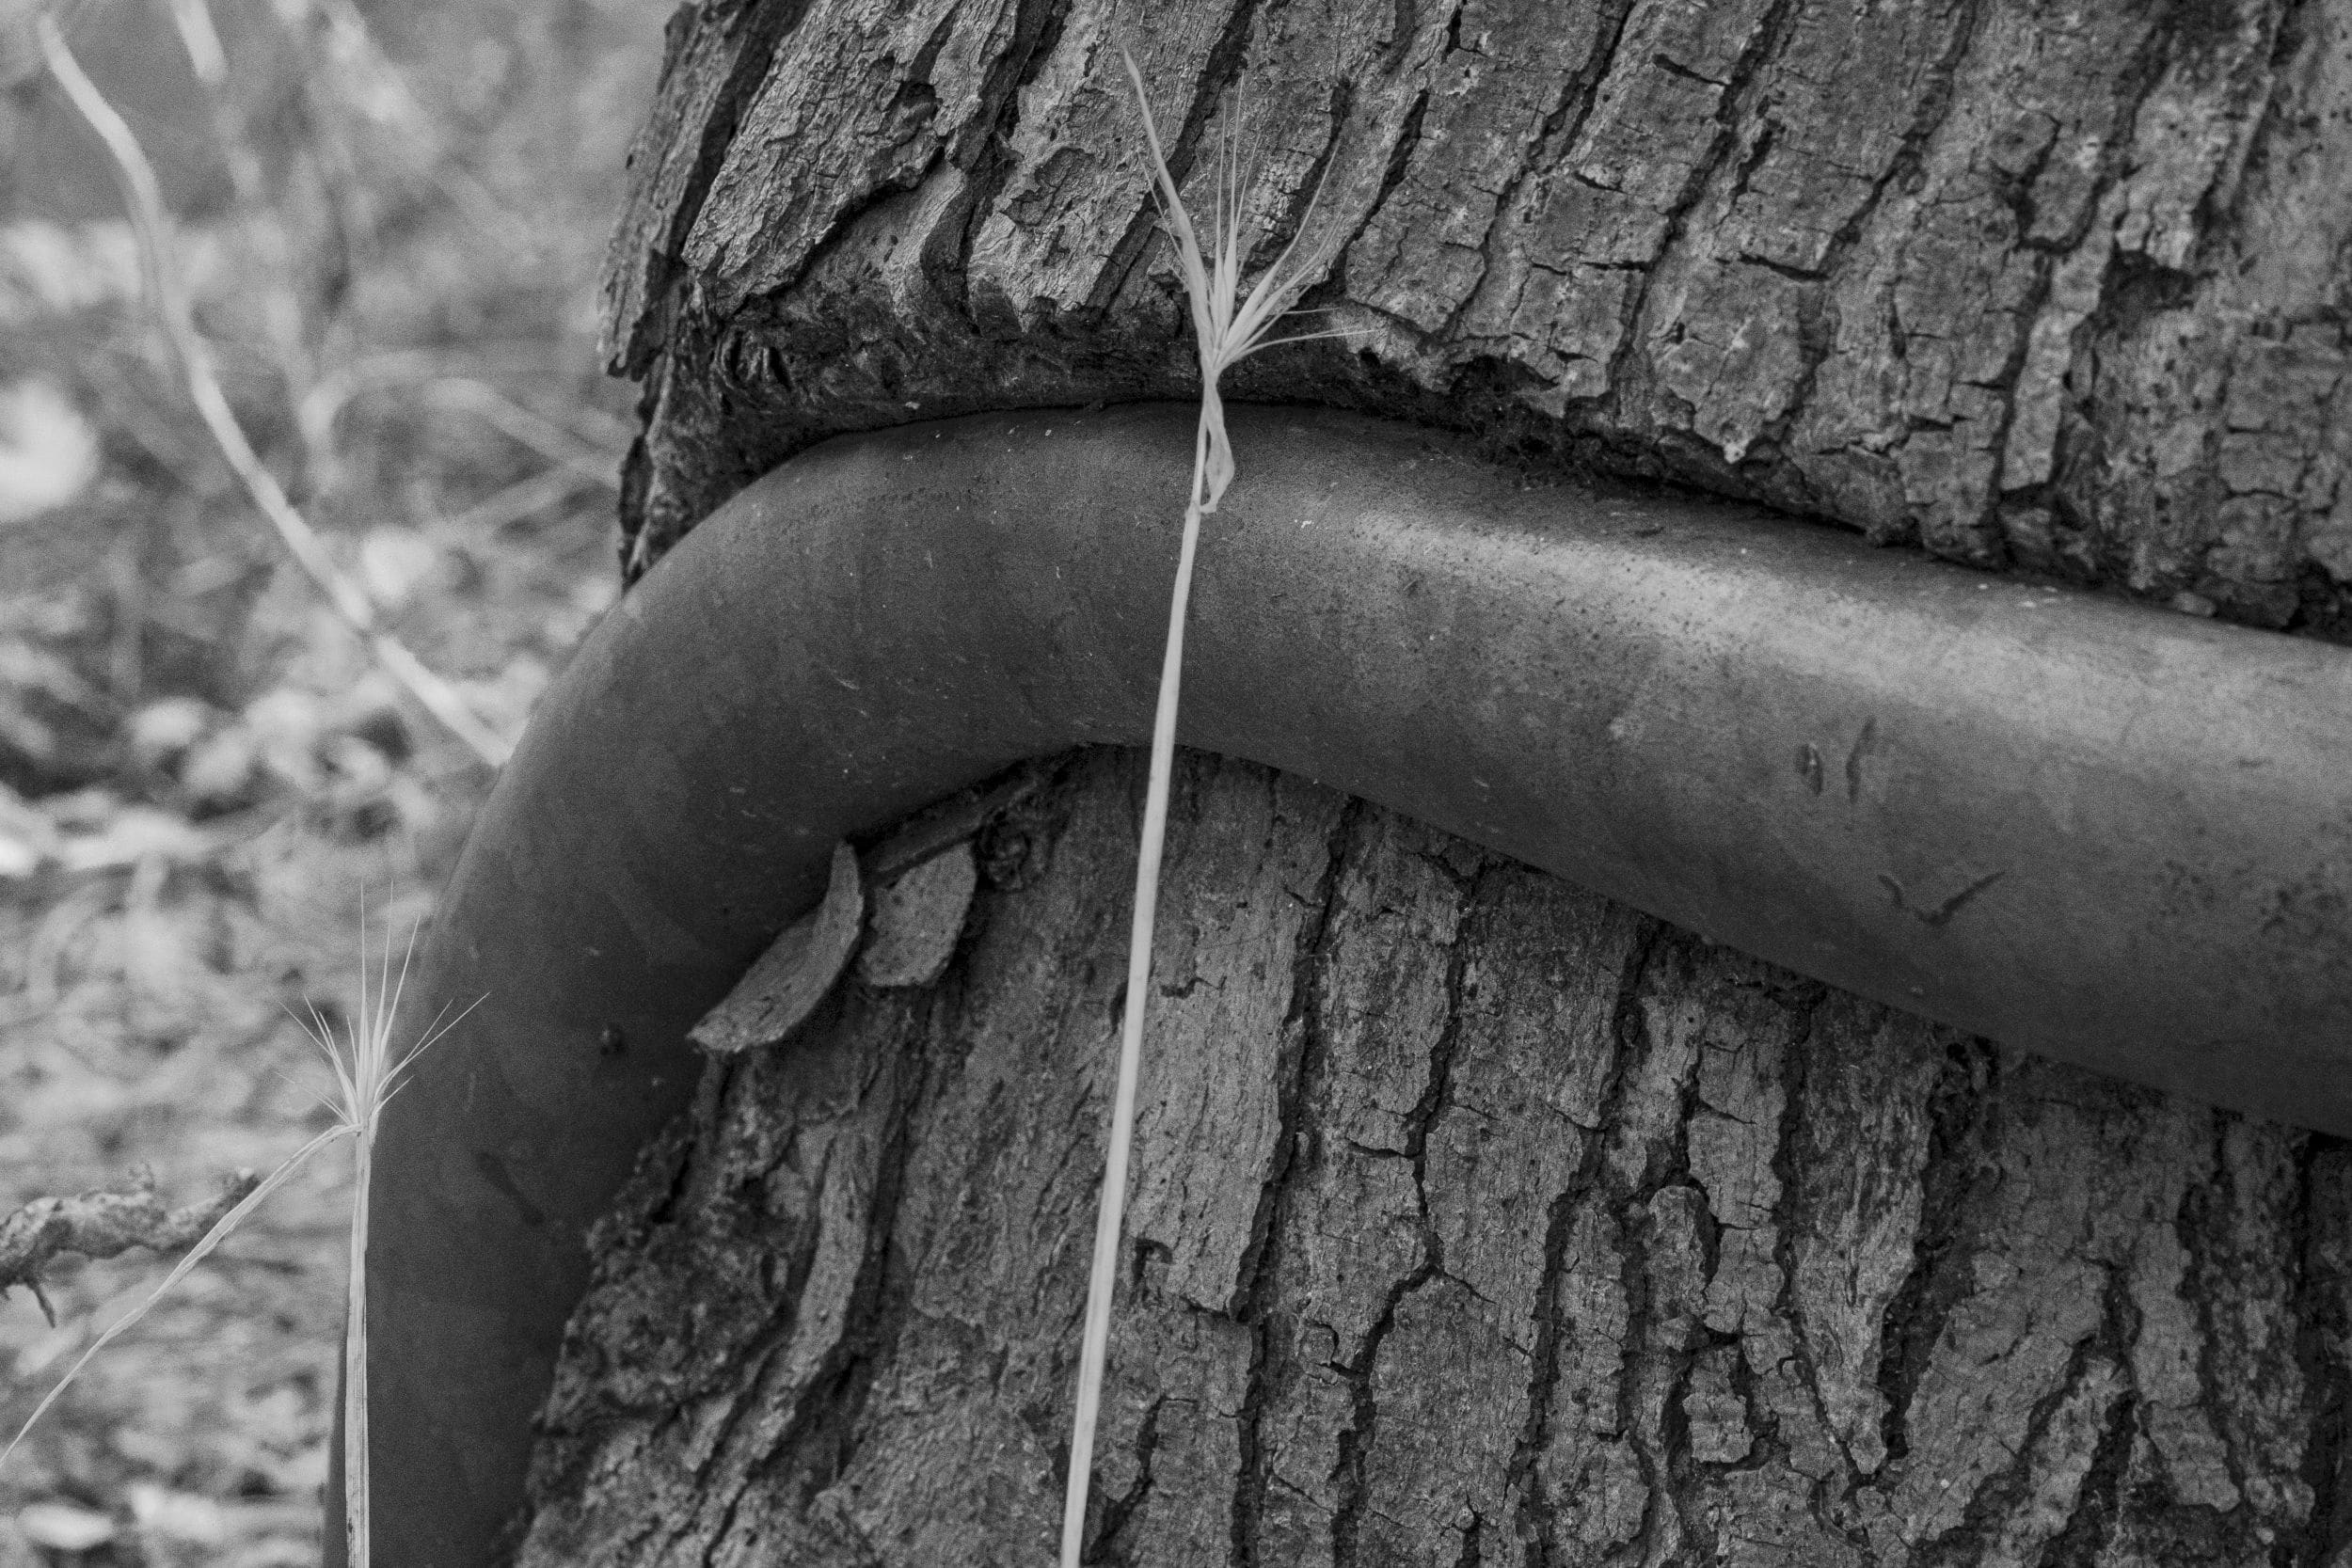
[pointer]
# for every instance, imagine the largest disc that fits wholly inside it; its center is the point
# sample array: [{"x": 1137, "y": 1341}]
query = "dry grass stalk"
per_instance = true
[
  {"x": 197, "y": 1254},
  {"x": 369, "y": 1070},
  {"x": 1228, "y": 328},
  {"x": 152, "y": 221}
]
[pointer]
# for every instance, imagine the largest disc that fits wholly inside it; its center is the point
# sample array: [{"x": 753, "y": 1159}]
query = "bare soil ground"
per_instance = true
[{"x": 202, "y": 775}]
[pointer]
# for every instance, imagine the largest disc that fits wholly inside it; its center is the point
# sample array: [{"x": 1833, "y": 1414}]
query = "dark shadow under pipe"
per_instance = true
[{"x": 2115, "y": 835}]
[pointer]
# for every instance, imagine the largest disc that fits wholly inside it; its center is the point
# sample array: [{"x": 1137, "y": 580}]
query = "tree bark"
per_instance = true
[
  {"x": 1476, "y": 1219},
  {"x": 2054, "y": 286}
]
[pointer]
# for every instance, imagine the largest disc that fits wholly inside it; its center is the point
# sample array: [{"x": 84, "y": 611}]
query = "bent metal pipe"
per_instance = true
[{"x": 2115, "y": 835}]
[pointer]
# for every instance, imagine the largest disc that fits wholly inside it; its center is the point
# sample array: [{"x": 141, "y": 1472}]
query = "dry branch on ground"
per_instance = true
[{"x": 107, "y": 1223}]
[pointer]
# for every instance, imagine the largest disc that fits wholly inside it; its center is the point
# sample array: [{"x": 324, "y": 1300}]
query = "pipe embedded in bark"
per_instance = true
[{"x": 2116, "y": 835}]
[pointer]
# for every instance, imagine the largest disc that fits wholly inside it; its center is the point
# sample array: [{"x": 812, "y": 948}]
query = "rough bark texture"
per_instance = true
[
  {"x": 2054, "y": 285},
  {"x": 1476, "y": 1220}
]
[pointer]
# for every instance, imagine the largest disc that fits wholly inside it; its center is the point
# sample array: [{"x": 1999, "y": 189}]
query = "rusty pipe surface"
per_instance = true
[{"x": 2116, "y": 835}]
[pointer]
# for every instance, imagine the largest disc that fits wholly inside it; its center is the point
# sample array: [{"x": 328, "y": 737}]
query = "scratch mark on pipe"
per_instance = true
[
  {"x": 1809, "y": 767},
  {"x": 1941, "y": 913},
  {"x": 1863, "y": 747}
]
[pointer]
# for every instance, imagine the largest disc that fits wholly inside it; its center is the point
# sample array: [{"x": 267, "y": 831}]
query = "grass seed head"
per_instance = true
[
  {"x": 368, "y": 1067},
  {"x": 369, "y": 1070},
  {"x": 1227, "y": 324}
]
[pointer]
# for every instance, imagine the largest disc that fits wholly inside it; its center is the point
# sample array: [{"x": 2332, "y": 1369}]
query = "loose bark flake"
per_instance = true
[
  {"x": 786, "y": 984},
  {"x": 917, "y": 920}
]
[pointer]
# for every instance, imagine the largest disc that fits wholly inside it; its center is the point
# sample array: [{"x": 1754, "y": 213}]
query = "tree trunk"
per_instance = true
[
  {"x": 2060, "y": 286},
  {"x": 1476, "y": 1218}
]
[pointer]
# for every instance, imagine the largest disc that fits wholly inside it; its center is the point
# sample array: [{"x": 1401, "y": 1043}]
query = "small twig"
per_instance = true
[
  {"x": 420, "y": 374},
  {"x": 199, "y": 40},
  {"x": 371, "y": 80},
  {"x": 541, "y": 434},
  {"x": 152, "y": 222},
  {"x": 521, "y": 499},
  {"x": 942, "y": 827},
  {"x": 106, "y": 1224}
]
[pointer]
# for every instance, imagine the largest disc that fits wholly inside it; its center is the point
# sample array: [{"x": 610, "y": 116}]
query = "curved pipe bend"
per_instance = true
[{"x": 2118, "y": 837}]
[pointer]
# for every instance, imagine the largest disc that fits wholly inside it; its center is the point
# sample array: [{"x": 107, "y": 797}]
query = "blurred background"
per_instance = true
[{"x": 389, "y": 216}]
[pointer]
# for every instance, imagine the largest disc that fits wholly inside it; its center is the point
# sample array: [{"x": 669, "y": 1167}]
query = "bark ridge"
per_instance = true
[
  {"x": 1476, "y": 1220},
  {"x": 2060, "y": 287}
]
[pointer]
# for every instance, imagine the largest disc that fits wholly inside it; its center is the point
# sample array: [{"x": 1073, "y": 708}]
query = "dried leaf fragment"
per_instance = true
[
  {"x": 779, "y": 991},
  {"x": 918, "y": 919}
]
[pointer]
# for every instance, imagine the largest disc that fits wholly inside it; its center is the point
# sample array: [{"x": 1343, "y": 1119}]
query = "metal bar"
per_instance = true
[{"x": 2116, "y": 835}]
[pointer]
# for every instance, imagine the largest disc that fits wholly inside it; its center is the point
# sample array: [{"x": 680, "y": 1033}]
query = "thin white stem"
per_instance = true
[
  {"x": 152, "y": 222},
  {"x": 355, "y": 1492},
  {"x": 1095, "y": 1348}
]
